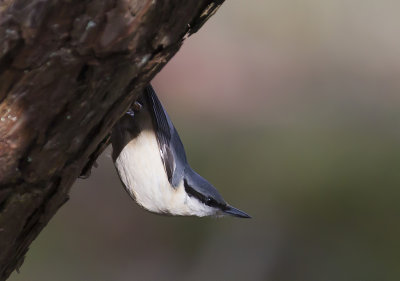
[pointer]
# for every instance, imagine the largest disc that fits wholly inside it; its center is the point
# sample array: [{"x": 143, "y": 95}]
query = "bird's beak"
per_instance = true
[{"x": 236, "y": 212}]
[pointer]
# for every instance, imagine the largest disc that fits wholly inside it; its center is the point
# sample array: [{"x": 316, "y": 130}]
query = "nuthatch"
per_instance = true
[{"x": 151, "y": 162}]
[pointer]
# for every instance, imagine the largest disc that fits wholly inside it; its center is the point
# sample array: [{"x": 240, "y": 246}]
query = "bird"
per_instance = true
[{"x": 151, "y": 162}]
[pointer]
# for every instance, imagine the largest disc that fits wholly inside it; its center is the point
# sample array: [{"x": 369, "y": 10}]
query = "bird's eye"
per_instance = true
[{"x": 210, "y": 201}]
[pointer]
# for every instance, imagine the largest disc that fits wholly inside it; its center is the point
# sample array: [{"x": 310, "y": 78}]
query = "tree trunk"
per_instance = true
[{"x": 68, "y": 70}]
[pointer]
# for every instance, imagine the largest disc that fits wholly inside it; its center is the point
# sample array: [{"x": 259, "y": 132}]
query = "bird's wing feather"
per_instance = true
[
  {"x": 171, "y": 147},
  {"x": 163, "y": 128}
]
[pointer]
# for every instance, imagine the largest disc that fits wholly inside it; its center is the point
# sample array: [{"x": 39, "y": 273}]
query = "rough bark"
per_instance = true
[{"x": 68, "y": 70}]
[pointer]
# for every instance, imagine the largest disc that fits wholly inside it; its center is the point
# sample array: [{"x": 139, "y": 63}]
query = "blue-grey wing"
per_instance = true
[{"x": 171, "y": 148}]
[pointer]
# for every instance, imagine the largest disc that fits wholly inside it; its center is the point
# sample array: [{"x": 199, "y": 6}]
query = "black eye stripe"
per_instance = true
[
  {"x": 209, "y": 201},
  {"x": 189, "y": 190}
]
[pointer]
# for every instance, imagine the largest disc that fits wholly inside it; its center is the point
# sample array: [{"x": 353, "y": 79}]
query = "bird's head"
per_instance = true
[{"x": 204, "y": 200}]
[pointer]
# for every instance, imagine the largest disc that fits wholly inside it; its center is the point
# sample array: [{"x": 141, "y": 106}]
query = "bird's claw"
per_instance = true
[{"x": 136, "y": 107}]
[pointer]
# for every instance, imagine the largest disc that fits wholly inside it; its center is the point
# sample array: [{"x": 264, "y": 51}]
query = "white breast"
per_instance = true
[{"x": 142, "y": 171}]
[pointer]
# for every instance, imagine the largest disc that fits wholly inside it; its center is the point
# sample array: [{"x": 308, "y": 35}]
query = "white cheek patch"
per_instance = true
[{"x": 199, "y": 208}]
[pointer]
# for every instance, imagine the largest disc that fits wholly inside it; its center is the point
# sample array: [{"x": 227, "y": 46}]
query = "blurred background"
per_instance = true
[{"x": 292, "y": 110}]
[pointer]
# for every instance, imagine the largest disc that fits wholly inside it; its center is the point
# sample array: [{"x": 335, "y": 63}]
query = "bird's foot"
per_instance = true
[{"x": 136, "y": 107}]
